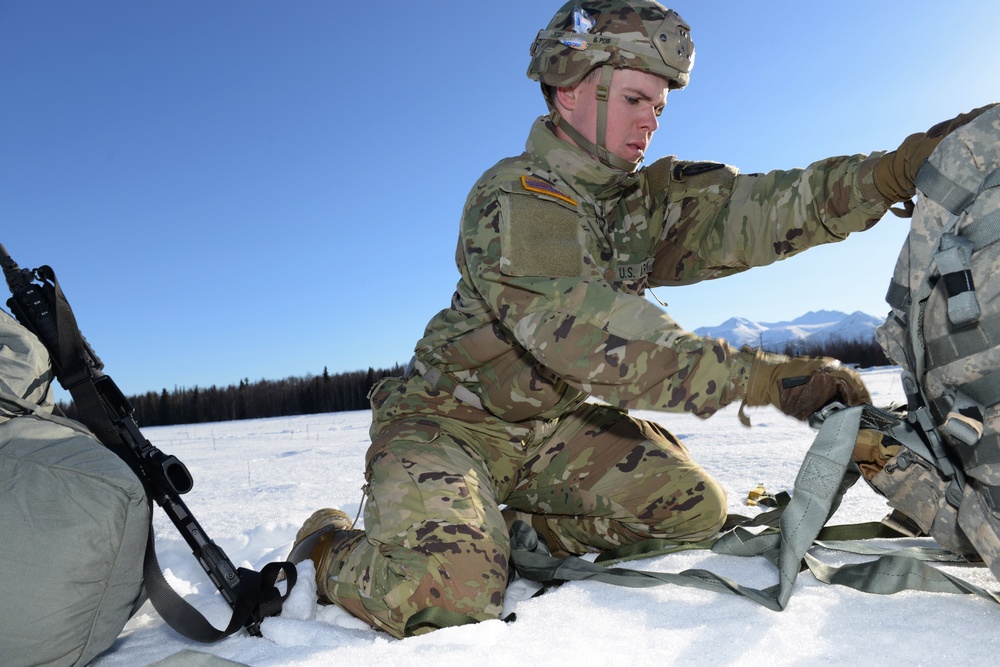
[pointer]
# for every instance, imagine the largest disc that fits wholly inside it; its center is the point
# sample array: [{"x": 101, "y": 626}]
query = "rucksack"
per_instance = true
[
  {"x": 74, "y": 521},
  {"x": 944, "y": 332}
]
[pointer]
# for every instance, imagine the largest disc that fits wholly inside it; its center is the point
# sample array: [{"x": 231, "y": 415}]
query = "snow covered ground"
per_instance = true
[{"x": 256, "y": 481}]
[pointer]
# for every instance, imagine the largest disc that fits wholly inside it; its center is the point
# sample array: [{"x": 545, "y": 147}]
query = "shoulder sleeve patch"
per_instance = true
[
  {"x": 540, "y": 185},
  {"x": 539, "y": 238}
]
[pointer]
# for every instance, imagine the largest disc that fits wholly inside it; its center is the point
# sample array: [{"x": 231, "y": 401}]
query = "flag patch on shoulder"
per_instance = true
[{"x": 540, "y": 185}]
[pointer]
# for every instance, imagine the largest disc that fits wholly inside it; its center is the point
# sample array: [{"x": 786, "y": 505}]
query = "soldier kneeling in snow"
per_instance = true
[{"x": 492, "y": 425}]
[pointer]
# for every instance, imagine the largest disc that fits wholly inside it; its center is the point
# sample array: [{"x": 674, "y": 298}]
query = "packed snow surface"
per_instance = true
[{"x": 256, "y": 481}]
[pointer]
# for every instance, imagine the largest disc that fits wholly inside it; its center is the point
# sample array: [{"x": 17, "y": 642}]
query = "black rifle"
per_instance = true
[{"x": 39, "y": 305}]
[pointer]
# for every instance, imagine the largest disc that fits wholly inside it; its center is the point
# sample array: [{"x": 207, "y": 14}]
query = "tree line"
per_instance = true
[
  {"x": 256, "y": 400},
  {"x": 342, "y": 392},
  {"x": 865, "y": 353}
]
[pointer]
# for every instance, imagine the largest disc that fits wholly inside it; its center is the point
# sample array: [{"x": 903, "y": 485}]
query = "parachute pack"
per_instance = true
[{"x": 937, "y": 461}]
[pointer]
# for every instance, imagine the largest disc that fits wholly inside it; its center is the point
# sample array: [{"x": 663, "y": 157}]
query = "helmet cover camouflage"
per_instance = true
[{"x": 632, "y": 34}]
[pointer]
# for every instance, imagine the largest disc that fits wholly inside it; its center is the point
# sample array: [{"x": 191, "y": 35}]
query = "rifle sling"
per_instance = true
[{"x": 257, "y": 592}]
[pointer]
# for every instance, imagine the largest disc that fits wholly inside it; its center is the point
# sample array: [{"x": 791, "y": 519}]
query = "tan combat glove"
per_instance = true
[
  {"x": 799, "y": 386},
  {"x": 871, "y": 452},
  {"x": 896, "y": 171}
]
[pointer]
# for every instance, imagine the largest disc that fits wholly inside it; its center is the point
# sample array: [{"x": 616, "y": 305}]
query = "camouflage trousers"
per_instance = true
[{"x": 445, "y": 480}]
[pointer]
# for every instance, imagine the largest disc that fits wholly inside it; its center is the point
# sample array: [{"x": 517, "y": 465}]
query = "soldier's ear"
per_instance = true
[{"x": 566, "y": 97}]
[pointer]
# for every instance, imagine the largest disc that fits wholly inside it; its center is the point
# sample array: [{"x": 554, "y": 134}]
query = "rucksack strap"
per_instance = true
[
  {"x": 985, "y": 229},
  {"x": 957, "y": 345},
  {"x": 954, "y": 257},
  {"x": 946, "y": 192}
]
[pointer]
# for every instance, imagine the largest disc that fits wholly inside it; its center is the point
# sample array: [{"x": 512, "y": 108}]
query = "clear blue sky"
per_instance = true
[{"x": 255, "y": 189}]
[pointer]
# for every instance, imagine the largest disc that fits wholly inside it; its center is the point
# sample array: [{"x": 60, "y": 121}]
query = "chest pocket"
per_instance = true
[{"x": 539, "y": 237}]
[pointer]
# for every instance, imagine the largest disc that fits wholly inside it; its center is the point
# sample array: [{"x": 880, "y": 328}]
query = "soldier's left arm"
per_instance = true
[{"x": 716, "y": 221}]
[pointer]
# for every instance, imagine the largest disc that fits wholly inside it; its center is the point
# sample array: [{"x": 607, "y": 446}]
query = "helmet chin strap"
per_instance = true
[{"x": 599, "y": 150}]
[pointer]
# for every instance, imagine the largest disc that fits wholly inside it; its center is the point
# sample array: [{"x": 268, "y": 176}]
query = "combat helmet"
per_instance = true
[{"x": 609, "y": 34}]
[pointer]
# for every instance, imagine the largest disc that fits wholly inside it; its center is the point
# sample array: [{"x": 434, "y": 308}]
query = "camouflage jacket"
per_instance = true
[{"x": 556, "y": 250}]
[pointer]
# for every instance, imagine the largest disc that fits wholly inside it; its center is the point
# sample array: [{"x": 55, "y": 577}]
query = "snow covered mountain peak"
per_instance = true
[{"x": 815, "y": 327}]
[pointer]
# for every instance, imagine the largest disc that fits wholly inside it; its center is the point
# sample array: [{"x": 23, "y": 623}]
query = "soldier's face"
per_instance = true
[{"x": 634, "y": 105}]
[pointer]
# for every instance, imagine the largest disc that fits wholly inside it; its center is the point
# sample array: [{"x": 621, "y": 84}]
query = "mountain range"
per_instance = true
[{"x": 817, "y": 327}]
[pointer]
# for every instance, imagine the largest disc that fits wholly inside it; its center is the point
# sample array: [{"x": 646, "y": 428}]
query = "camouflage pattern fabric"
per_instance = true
[
  {"x": 640, "y": 35},
  {"x": 529, "y": 344},
  {"x": 438, "y": 473},
  {"x": 555, "y": 252},
  {"x": 918, "y": 490},
  {"x": 943, "y": 333}
]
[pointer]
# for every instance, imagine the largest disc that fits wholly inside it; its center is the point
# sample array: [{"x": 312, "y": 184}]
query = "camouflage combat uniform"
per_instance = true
[{"x": 555, "y": 251}]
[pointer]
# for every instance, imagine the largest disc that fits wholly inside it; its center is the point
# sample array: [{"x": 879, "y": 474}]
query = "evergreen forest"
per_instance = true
[{"x": 342, "y": 392}]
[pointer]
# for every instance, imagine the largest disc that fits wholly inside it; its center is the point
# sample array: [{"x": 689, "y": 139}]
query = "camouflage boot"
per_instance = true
[{"x": 326, "y": 539}]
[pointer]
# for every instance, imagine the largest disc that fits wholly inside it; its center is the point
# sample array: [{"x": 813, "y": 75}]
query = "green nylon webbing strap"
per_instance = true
[
  {"x": 818, "y": 489},
  {"x": 821, "y": 482},
  {"x": 985, "y": 390},
  {"x": 943, "y": 190},
  {"x": 819, "y": 486},
  {"x": 955, "y": 345},
  {"x": 544, "y": 568},
  {"x": 649, "y": 549},
  {"x": 898, "y": 296},
  {"x": 14, "y": 406},
  {"x": 892, "y": 574},
  {"x": 652, "y": 547},
  {"x": 857, "y": 531},
  {"x": 935, "y": 554},
  {"x": 435, "y": 618}
]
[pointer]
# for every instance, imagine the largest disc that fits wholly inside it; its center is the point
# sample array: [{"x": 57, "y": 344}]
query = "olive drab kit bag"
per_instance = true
[
  {"x": 73, "y": 520},
  {"x": 77, "y": 557}
]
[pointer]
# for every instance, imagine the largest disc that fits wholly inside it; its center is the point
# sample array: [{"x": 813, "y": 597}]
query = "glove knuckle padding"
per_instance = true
[
  {"x": 823, "y": 386},
  {"x": 800, "y": 386}
]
